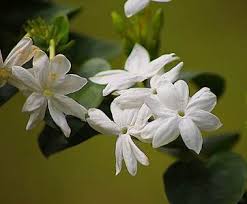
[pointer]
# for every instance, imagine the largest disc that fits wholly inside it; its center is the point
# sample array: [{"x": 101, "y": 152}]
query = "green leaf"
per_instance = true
[
  {"x": 86, "y": 48},
  {"x": 50, "y": 11},
  {"x": 220, "y": 180},
  {"x": 6, "y": 93},
  {"x": 90, "y": 96},
  {"x": 213, "y": 81},
  {"x": 211, "y": 145},
  {"x": 52, "y": 140},
  {"x": 61, "y": 30}
]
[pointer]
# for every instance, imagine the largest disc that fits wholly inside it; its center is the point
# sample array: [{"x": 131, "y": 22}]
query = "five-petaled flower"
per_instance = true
[
  {"x": 126, "y": 123},
  {"x": 137, "y": 69},
  {"x": 176, "y": 113},
  {"x": 132, "y": 7},
  {"x": 49, "y": 84},
  {"x": 19, "y": 55}
]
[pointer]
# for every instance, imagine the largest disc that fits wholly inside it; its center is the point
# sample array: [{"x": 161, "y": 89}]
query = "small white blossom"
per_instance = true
[
  {"x": 19, "y": 55},
  {"x": 137, "y": 68},
  {"x": 49, "y": 84},
  {"x": 176, "y": 113},
  {"x": 132, "y": 7},
  {"x": 126, "y": 123},
  {"x": 135, "y": 97}
]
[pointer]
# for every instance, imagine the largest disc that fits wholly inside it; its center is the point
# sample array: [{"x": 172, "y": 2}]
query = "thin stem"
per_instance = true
[{"x": 52, "y": 48}]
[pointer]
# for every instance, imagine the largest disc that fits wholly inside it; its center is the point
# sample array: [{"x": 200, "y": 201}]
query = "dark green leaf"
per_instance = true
[
  {"x": 221, "y": 180},
  {"x": 52, "y": 141},
  {"x": 211, "y": 145},
  {"x": 6, "y": 93},
  {"x": 214, "y": 81},
  {"x": 86, "y": 48},
  {"x": 50, "y": 11},
  {"x": 90, "y": 96},
  {"x": 61, "y": 30}
]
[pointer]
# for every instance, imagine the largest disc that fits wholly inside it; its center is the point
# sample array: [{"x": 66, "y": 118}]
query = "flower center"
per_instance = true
[
  {"x": 47, "y": 93},
  {"x": 124, "y": 130},
  {"x": 53, "y": 76},
  {"x": 4, "y": 73},
  {"x": 181, "y": 113}
]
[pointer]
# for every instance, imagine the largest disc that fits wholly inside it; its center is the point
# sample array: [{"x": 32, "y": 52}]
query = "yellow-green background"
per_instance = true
[{"x": 208, "y": 35}]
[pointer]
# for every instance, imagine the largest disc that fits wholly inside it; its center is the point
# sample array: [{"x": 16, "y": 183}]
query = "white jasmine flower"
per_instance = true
[
  {"x": 125, "y": 123},
  {"x": 132, "y": 7},
  {"x": 135, "y": 97},
  {"x": 176, "y": 113},
  {"x": 49, "y": 84},
  {"x": 20, "y": 54},
  {"x": 137, "y": 68}
]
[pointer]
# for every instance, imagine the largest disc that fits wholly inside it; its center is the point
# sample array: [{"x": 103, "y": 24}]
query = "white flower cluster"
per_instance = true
[
  {"x": 46, "y": 84},
  {"x": 157, "y": 113},
  {"x": 167, "y": 102}
]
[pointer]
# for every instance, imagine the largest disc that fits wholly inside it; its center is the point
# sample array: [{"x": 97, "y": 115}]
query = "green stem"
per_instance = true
[{"x": 52, "y": 48}]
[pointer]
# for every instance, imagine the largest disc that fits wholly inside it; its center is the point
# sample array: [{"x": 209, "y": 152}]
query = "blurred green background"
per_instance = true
[{"x": 207, "y": 35}]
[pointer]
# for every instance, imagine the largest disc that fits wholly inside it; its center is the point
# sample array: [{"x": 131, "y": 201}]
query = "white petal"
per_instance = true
[
  {"x": 36, "y": 116},
  {"x": 204, "y": 99},
  {"x": 167, "y": 94},
  {"x": 119, "y": 155},
  {"x": 205, "y": 120},
  {"x": 183, "y": 94},
  {"x": 60, "y": 65},
  {"x": 26, "y": 77},
  {"x": 69, "y": 106},
  {"x": 123, "y": 117},
  {"x": 141, "y": 120},
  {"x": 40, "y": 60},
  {"x": 1, "y": 59},
  {"x": 120, "y": 83},
  {"x": 70, "y": 84},
  {"x": 33, "y": 102},
  {"x": 128, "y": 155},
  {"x": 132, "y": 7},
  {"x": 137, "y": 60},
  {"x": 150, "y": 129},
  {"x": 21, "y": 53},
  {"x": 191, "y": 135},
  {"x": 154, "y": 81},
  {"x": 59, "y": 118},
  {"x": 157, "y": 108},
  {"x": 156, "y": 65},
  {"x": 166, "y": 133},
  {"x": 143, "y": 115},
  {"x": 139, "y": 155},
  {"x": 107, "y": 76},
  {"x": 133, "y": 97},
  {"x": 173, "y": 74},
  {"x": 100, "y": 122}
]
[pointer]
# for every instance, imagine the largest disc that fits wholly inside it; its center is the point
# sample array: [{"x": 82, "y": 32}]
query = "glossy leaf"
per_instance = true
[
  {"x": 86, "y": 47},
  {"x": 52, "y": 141},
  {"x": 6, "y": 93},
  {"x": 220, "y": 180},
  {"x": 211, "y": 145},
  {"x": 214, "y": 81},
  {"x": 90, "y": 96}
]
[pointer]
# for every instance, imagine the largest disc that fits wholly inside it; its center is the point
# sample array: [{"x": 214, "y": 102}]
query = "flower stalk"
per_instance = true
[{"x": 52, "y": 48}]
